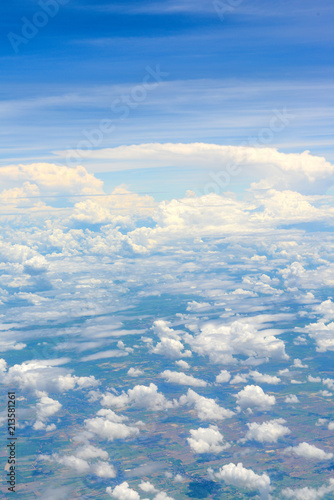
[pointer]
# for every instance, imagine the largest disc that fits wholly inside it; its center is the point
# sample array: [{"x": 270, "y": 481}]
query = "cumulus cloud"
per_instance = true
[
  {"x": 45, "y": 375},
  {"x": 141, "y": 396},
  {"x": 267, "y": 379},
  {"x": 309, "y": 451},
  {"x": 108, "y": 425},
  {"x": 267, "y": 432},
  {"x": 135, "y": 372},
  {"x": 207, "y": 440},
  {"x": 81, "y": 466},
  {"x": 182, "y": 364},
  {"x": 222, "y": 342},
  {"x": 147, "y": 487},
  {"x": 240, "y": 477},
  {"x": 51, "y": 178},
  {"x": 123, "y": 492},
  {"x": 224, "y": 376},
  {"x": 292, "y": 398},
  {"x": 170, "y": 348},
  {"x": 206, "y": 408},
  {"x": 253, "y": 396},
  {"x": 182, "y": 379},
  {"x": 309, "y": 493},
  {"x": 45, "y": 408}
]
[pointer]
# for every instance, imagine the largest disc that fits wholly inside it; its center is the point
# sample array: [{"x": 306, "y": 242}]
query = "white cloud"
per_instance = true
[
  {"x": 292, "y": 398},
  {"x": 206, "y": 408},
  {"x": 253, "y": 396},
  {"x": 267, "y": 432},
  {"x": 309, "y": 451},
  {"x": 224, "y": 376},
  {"x": 239, "y": 379},
  {"x": 283, "y": 169},
  {"x": 240, "y": 477},
  {"x": 46, "y": 407},
  {"x": 298, "y": 364},
  {"x": 141, "y": 396},
  {"x": 147, "y": 487},
  {"x": 170, "y": 348},
  {"x": 49, "y": 176},
  {"x": 88, "y": 451},
  {"x": 207, "y": 440},
  {"x": 309, "y": 493},
  {"x": 81, "y": 466},
  {"x": 112, "y": 353},
  {"x": 267, "y": 379},
  {"x": 221, "y": 342},
  {"x": 182, "y": 379},
  {"x": 198, "y": 306},
  {"x": 46, "y": 375},
  {"x": 123, "y": 492},
  {"x": 107, "y": 425},
  {"x": 182, "y": 364},
  {"x": 135, "y": 372}
]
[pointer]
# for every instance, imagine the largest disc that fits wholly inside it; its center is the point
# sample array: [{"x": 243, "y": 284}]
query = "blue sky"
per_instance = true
[{"x": 225, "y": 76}]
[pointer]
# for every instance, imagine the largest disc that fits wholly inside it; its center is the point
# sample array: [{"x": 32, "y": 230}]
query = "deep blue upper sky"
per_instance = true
[{"x": 273, "y": 54}]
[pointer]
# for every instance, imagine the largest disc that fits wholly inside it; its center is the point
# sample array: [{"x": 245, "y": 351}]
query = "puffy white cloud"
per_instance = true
[
  {"x": 207, "y": 440},
  {"x": 170, "y": 348},
  {"x": 267, "y": 379},
  {"x": 329, "y": 382},
  {"x": 141, "y": 396},
  {"x": 239, "y": 476},
  {"x": 224, "y": 376},
  {"x": 309, "y": 451},
  {"x": 107, "y": 425},
  {"x": 221, "y": 342},
  {"x": 162, "y": 496},
  {"x": 182, "y": 379},
  {"x": 51, "y": 178},
  {"x": 162, "y": 329},
  {"x": 239, "y": 379},
  {"x": 253, "y": 396},
  {"x": 298, "y": 364},
  {"x": 123, "y": 492},
  {"x": 267, "y": 432},
  {"x": 103, "y": 469},
  {"x": 292, "y": 398},
  {"x": 36, "y": 374},
  {"x": 117, "y": 207},
  {"x": 206, "y": 408},
  {"x": 148, "y": 487},
  {"x": 309, "y": 493},
  {"x": 45, "y": 408},
  {"x": 135, "y": 372},
  {"x": 89, "y": 451},
  {"x": 182, "y": 364},
  {"x": 45, "y": 375},
  {"x": 81, "y": 466},
  {"x": 323, "y": 334}
]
